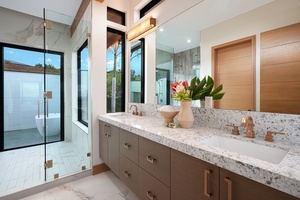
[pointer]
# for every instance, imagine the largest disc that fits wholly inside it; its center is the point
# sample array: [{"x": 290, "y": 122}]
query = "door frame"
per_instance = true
[{"x": 252, "y": 40}]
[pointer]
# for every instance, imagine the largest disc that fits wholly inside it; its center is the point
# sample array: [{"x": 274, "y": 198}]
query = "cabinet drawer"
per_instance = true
[
  {"x": 193, "y": 178},
  {"x": 151, "y": 188},
  {"x": 129, "y": 173},
  {"x": 129, "y": 145},
  {"x": 155, "y": 159}
]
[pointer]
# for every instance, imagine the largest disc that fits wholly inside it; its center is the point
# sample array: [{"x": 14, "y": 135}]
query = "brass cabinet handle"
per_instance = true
[
  {"x": 126, "y": 145},
  {"x": 229, "y": 186},
  {"x": 150, "y": 159},
  {"x": 126, "y": 174},
  {"x": 150, "y": 195},
  {"x": 206, "y": 173}
]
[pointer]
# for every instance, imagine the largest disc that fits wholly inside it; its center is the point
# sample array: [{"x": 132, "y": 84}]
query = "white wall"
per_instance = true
[
  {"x": 268, "y": 17},
  {"x": 21, "y": 102},
  {"x": 98, "y": 66}
]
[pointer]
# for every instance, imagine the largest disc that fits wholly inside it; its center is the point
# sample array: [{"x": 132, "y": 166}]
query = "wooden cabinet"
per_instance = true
[
  {"x": 129, "y": 170},
  {"x": 192, "y": 178},
  {"x": 154, "y": 171},
  {"x": 129, "y": 173},
  {"x": 155, "y": 159},
  {"x": 129, "y": 144},
  {"x": 236, "y": 187},
  {"x": 109, "y": 146},
  {"x": 150, "y": 188}
]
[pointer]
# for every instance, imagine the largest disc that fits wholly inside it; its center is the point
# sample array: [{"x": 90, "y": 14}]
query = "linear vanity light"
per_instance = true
[{"x": 145, "y": 27}]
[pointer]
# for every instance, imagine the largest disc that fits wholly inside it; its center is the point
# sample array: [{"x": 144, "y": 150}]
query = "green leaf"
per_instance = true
[
  {"x": 218, "y": 96},
  {"x": 218, "y": 89}
]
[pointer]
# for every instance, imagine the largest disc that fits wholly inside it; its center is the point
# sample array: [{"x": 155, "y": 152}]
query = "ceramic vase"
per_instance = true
[
  {"x": 202, "y": 103},
  {"x": 185, "y": 115}
]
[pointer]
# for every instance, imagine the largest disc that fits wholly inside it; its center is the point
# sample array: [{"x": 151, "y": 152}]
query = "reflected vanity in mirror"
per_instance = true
[{"x": 185, "y": 47}]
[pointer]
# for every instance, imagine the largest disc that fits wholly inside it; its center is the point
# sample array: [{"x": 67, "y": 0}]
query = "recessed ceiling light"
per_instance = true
[
  {"x": 189, "y": 41},
  {"x": 161, "y": 29}
]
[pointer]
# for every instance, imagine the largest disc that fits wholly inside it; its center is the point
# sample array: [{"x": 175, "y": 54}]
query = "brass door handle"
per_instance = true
[
  {"x": 206, "y": 173},
  {"x": 126, "y": 145},
  {"x": 150, "y": 159},
  {"x": 229, "y": 188},
  {"x": 150, "y": 195},
  {"x": 126, "y": 174}
]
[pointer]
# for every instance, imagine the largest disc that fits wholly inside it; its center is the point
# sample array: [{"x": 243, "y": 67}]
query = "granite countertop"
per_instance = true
[{"x": 284, "y": 176}]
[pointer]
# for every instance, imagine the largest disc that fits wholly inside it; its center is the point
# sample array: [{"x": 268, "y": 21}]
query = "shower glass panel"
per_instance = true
[{"x": 72, "y": 154}]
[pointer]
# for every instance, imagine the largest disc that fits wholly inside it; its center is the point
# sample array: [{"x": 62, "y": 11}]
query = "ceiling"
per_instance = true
[
  {"x": 69, "y": 8},
  {"x": 188, "y": 25}
]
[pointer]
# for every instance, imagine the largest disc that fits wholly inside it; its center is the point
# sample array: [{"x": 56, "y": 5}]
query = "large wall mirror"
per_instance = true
[{"x": 185, "y": 47}]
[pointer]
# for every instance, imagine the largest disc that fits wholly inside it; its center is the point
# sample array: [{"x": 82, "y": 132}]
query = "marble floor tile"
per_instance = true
[{"x": 104, "y": 186}]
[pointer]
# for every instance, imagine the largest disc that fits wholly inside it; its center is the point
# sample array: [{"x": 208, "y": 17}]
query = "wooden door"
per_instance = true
[
  {"x": 234, "y": 66},
  {"x": 113, "y": 149},
  {"x": 280, "y": 70},
  {"x": 103, "y": 141}
]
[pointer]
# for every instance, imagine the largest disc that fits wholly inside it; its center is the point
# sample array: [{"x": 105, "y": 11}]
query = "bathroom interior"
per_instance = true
[{"x": 45, "y": 90}]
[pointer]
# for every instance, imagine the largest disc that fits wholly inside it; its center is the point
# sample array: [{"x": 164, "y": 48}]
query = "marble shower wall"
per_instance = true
[
  {"x": 186, "y": 64},
  {"x": 218, "y": 118}
]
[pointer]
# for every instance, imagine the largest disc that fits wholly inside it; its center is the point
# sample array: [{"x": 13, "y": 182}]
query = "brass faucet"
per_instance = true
[
  {"x": 248, "y": 121},
  {"x": 136, "y": 112}
]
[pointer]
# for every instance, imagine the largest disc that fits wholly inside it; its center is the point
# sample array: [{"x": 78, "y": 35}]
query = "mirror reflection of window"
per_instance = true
[
  {"x": 137, "y": 78},
  {"x": 83, "y": 83},
  {"x": 115, "y": 69}
]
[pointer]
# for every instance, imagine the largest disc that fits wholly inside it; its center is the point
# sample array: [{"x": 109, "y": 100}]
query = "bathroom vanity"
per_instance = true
[{"x": 157, "y": 162}]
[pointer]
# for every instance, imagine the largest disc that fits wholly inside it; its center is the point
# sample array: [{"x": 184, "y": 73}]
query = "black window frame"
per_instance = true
[
  {"x": 61, "y": 54},
  {"x": 141, "y": 45},
  {"x": 123, "y": 68},
  {"x": 79, "y": 99},
  {"x": 149, "y": 7}
]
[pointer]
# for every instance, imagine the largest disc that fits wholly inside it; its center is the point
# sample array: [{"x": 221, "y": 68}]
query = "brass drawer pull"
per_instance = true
[
  {"x": 206, "y": 173},
  {"x": 229, "y": 185},
  {"x": 150, "y": 159},
  {"x": 126, "y": 145},
  {"x": 150, "y": 195},
  {"x": 126, "y": 174}
]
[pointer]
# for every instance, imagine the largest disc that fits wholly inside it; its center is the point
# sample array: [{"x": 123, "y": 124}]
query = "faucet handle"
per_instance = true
[
  {"x": 269, "y": 135},
  {"x": 235, "y": 129}
]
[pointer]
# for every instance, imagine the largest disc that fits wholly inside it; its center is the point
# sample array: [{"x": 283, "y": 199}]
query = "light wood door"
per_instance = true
[
  {"x": 280, "y": 70},
  {"x": 234, "y": 67}
]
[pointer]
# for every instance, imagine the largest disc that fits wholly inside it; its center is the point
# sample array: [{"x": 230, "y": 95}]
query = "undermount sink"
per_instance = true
[{"x": 265, "y": 153}]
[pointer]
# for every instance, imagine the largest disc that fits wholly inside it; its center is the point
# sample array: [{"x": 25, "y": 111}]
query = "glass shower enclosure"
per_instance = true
[{"x": 40, "y": 137}]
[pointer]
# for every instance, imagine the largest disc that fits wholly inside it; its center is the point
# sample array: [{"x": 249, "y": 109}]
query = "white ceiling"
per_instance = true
[
  {"x": 188, "y": 25},
  {"x": 68, "y": 8}
]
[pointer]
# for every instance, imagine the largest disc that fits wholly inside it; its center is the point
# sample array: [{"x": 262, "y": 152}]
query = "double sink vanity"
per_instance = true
[{"x": 157, "y": 162}]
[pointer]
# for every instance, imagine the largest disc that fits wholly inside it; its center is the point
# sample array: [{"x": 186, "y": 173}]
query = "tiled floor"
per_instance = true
[
  {"x": 104, "y": 186},
  {"x": 24, "y": 168}
]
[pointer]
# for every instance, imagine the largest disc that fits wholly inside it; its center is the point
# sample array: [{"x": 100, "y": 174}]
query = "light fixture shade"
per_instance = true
[{"x": 141, "y": 28}]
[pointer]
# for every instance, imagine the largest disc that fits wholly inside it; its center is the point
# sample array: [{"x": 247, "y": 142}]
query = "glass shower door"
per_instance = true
[{"x": 72, "y": 154}]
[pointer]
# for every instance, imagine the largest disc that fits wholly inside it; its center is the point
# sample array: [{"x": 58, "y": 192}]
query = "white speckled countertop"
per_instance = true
[{"x": 284, "y": 176}]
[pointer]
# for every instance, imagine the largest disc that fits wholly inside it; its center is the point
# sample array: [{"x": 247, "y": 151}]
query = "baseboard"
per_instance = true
[{"x": 97, "y": 169}]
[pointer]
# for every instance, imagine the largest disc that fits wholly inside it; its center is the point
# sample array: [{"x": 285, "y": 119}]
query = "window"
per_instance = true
[
  {"x": 115, "y": 16},
  {"x": 137, "y": 68},
  {"x": 82, "y": 56},
  {"x": 115, "y": 70},
  {"x": 147, "y": 8}
]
